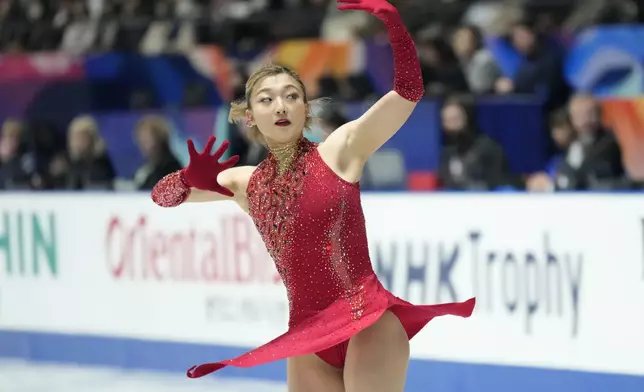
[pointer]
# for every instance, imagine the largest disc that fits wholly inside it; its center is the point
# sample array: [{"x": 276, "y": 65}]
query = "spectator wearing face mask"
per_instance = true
[{"x": 469, "y": 160}]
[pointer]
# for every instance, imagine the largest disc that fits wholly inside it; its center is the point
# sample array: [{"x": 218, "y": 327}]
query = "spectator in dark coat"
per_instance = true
[
  {"x": 592, "y": 160},
  {"x": 469, "y": 160},
  {"x": 17, "y": 163},
  {"x": 86, "y": 165}
]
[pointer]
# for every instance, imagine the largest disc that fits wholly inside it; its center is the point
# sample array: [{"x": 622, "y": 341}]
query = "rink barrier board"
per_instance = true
[
  {"x": 423, "y": 375},
  {"x": 76, "y": 300}
]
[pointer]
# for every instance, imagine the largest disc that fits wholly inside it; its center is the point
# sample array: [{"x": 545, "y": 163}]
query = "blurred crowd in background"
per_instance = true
[{"x": 456, "y": 64}]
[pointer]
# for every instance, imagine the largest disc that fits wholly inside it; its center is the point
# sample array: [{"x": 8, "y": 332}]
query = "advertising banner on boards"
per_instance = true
[{"x": 559, "y": 281}]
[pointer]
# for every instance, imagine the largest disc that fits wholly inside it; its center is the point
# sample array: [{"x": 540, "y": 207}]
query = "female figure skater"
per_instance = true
[{"x": 345, "y": 331}]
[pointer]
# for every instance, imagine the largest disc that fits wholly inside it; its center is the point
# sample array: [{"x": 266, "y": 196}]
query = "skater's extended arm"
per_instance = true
[
  {"x": 360, "y": 138},
  {"x": 205, "y": 179},
  {"x": 236, "y": 179}
]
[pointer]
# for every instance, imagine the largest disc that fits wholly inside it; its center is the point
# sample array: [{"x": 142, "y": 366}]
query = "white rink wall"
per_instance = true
[{"x": 114, "y": 281}]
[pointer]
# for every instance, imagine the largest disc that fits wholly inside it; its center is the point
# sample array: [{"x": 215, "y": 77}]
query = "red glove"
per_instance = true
[
  {"x": 203, "y": 168},
  {"x": 201, "y": 173},
  {"x": 382, "y": 9},
  {"x": 408, "y": 79}
]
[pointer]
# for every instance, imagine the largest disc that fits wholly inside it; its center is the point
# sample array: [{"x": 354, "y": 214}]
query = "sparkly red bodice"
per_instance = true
[{"x": 312, "y": 224}]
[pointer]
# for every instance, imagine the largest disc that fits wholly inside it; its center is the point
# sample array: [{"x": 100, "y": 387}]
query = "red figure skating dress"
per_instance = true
[{"x": 312, "y": 223}]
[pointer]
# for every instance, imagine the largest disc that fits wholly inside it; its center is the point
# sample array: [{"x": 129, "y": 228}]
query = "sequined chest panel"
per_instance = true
[
  {"x": 273, "y": 199},
  {"x": 313, "y": 228}
]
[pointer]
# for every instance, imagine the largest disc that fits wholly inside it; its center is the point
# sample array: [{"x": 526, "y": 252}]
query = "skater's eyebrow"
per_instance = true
[{"x": 267, "y": 89}]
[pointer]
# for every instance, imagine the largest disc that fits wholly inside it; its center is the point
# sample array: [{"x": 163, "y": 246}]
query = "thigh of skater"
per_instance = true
[
  {"x": 309, "y": 373},
  {"x": 377, "y": 357}
]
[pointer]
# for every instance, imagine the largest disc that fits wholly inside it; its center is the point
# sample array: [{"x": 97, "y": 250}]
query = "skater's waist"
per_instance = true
[
  {"x": 318, "y": 300},
  {"x": 327, "y": 284}
]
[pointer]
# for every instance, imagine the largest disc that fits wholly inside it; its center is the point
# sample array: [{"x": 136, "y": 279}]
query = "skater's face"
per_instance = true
[{"x": 278, "y": 108}]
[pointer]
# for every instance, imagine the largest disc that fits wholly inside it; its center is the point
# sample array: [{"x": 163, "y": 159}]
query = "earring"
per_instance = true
[{"x": 249, "y": 123}]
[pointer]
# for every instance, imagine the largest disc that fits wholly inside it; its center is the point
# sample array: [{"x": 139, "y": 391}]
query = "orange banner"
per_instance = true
[{"x": 626, "y": 118}]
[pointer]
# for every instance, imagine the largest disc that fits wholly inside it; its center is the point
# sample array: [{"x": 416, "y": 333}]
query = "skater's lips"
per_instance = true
[{"x": 282, "y": 122}]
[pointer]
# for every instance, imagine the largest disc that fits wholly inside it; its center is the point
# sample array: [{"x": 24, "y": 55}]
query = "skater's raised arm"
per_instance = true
[{"x": 349, "y": 147}]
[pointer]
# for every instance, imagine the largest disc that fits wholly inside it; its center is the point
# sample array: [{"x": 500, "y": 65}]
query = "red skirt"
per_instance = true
[{"x": 327, "y": 333}]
